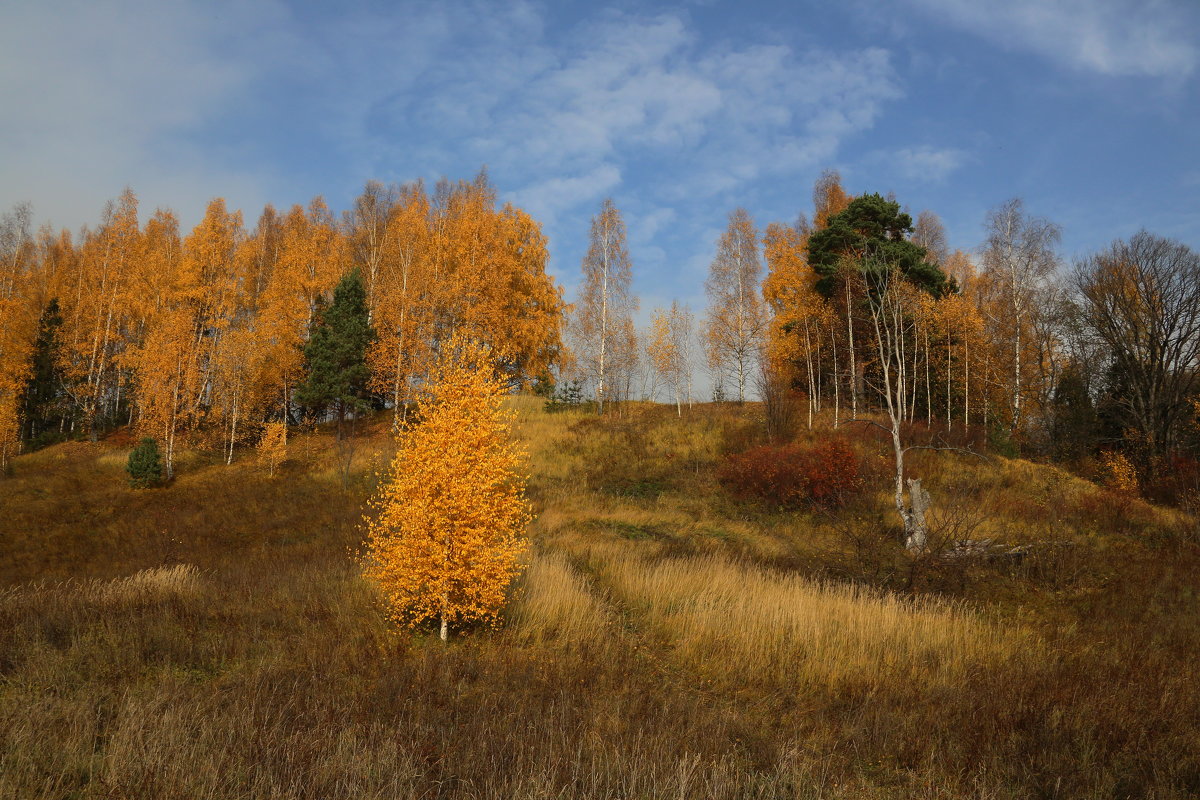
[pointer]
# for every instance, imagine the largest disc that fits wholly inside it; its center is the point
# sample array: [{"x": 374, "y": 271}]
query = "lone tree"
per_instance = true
[
  {"x": 336, "y": 353},
  {"x": 449, "y": 533},
  {"x": 145, "y": 464},
  {"x": 44, "y": 402}
]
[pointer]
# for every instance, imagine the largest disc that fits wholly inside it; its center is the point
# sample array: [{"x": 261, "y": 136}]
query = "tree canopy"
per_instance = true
[
  {"x": 873, "y": 233},
  {"x": 449, "y": 533},
  {"x": 336, "y": 351}
]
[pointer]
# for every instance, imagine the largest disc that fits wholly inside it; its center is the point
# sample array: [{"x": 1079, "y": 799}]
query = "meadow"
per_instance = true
[{"x": 214, "y": 639}]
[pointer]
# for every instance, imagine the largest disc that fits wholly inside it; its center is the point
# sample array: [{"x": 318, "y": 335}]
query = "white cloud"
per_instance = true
[
  {"x": 677, "y": 127},
  {"x": 1112, "y": 37},
  {"x": 94, "y": 96},
  {"x": 927, "y": 163},
  {"x": 632, "y": 94},
  {"x": 649, "y": 223},
  {"x": 185, "y": 100},
  {"x": 544, "y": 199}
]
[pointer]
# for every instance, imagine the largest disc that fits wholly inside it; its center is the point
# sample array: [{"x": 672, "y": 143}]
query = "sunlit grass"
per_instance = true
[
  {"x": 213, "y": 638},
  {"x": 734, "y": 621},
  {"x": 555, "y": 604}
]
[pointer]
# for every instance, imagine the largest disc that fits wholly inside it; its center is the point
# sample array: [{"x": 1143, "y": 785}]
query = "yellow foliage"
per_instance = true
[
  {"x": 272, "y": 446},
  {"x": 448, "y": 533},
  {"x": 1119, "y": 473}
]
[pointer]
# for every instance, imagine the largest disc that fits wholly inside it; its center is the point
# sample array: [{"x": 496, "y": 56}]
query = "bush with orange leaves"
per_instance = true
[
  {"x": 824, "y": 475},
  {"x": 272, "y": 446},
  {"x": 448, "y": 534},
  {"x": 1118, "y": 472}
]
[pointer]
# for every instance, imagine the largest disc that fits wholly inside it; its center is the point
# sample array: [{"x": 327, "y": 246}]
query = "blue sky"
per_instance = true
[{"x": 1088, "y": 109}]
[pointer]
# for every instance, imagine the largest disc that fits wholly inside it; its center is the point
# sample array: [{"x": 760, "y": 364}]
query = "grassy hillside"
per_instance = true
[{"x": 213, "y": 638}]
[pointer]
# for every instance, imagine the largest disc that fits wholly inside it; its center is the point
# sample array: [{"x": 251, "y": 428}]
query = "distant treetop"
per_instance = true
[{"x": 873, "y": 232}]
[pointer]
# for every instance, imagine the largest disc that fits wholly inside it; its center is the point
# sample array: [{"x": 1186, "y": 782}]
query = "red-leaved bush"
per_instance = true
[
  {"x": 1177, "y": 483},
  {"x": 826, "y": 475}
]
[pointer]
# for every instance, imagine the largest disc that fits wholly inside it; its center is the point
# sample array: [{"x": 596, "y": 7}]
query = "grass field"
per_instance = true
[{"x": 212, "y": 639}]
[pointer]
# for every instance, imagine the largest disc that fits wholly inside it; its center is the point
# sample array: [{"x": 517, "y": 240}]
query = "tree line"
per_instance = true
[
  {"x": 855, "y": 311},
  {"x": 207, "y": 337},
  {"x": 864, "y": 311}
]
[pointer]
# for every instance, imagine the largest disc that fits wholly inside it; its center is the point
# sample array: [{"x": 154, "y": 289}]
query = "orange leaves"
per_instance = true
[
  {"x": 824, "y": 475},
  {"x": 272, "y": 446},
  {"x": 788, "y": 290},
  {"x": 18, "y": 327},
  {"x": 205, "y": 334},
  {"x": 449, "y": 530},
  {"x": 459, "y": 264}
]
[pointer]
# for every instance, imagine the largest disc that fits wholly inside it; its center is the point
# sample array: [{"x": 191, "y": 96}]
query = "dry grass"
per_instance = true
[
  {"x": 732, "y": 620},
  {"x": 555, "y": 604},
  {"x": 213, "y": 638}
]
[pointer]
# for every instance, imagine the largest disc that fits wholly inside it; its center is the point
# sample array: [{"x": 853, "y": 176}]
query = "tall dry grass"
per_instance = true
[
  {"x": 666, "y": 640},
  {"x": 556, "y": 604},
  {"x": 731, "y": 620}
]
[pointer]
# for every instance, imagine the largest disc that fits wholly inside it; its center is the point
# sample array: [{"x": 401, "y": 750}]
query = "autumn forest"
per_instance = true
[
  {"x": 362, "y": 504},
  {"x": 199, "y": 336}
]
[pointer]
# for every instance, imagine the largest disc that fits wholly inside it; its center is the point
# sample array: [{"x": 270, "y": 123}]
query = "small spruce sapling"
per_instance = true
[{"x": 145, "y": 465}]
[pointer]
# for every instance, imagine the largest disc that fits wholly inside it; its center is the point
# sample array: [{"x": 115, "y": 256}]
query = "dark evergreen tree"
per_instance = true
[
  {"x": 1074, "y": 426},
  {"x": 873, "y": 234},
  {"x": 335, "y": 355},
  {"x": 44, "y": 406},
  {"x": 145, "y": 465}
]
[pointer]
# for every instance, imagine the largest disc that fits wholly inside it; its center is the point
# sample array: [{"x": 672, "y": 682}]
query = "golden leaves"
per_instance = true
[
  {"x": 449, "y": 530},
  {"x": 272, "y": 446}
]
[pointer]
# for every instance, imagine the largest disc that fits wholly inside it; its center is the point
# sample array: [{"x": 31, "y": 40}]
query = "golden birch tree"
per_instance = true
[
  {"x": 96, "y": 312},
  {"x": 17, "y": 326},
  {"x": 272, "y": 446},
  {"x": 669, "y": 350},
  {"x": 400, "y": 310},
  {"x": 164, "y": 358},
  {"x": 447, "y": 535},
  {"x": 799, "y": 316}
]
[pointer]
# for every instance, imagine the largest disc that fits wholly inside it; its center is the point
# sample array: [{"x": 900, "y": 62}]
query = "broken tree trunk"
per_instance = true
[{"x": 916, "y": 531}]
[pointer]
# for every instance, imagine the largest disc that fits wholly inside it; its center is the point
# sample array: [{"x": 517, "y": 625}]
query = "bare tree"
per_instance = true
[
  {"x": 367, "y": 231},
  {"x": 669, "y": 351},
  {"x": 1142, "y": 299},
  {"x": 892, "y": 304},
  {"x": 1020, "y": 255},
  {"x": 779, "y": 406},
  {"x": 931, "y": 234},
  {"x": 603, "y": 327},
  {"x": 736, "y": 317}
]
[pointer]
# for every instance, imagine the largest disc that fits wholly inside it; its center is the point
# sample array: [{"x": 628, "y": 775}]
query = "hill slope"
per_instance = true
[{"x": 213, "y": 638}]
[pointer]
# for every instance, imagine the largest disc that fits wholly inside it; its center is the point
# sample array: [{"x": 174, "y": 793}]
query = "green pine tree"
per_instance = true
[
  {"x": 873, "y": 232},
  {"x": 44, "y": 407},
  {"x": 145, "y": 465},
  {"x": 336, "y": 353},
  {"x": 1074, "y": 426}
]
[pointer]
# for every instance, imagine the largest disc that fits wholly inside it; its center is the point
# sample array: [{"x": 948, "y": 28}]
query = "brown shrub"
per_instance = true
[{"x": 824, "y": 475}]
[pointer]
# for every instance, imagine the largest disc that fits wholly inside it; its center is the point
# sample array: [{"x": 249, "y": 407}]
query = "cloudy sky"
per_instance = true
[{"x": 1088, "y": 109}]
